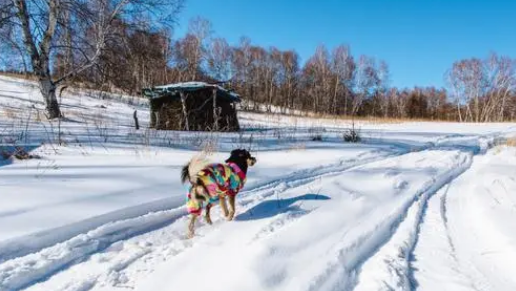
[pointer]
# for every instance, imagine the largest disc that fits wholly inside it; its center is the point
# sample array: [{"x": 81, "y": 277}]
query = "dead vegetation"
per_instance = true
[
  {"x": 25, "y": 76},
  {"x": 18, "y": 153},
  {"x": 9, "y": 113},
  {"x": 510, "y": 142}
]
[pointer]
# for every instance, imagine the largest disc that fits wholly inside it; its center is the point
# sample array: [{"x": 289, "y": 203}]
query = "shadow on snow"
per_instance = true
[
  {"x": 271, "y": 208},
  {"x": 11, "y": 149}
]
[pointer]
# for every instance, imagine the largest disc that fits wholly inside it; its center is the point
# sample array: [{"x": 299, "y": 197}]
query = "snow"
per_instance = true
[
  {"x": 284, "y": 258},
  {"x": 415, "y": 206},
  {"x": 194, "y": 85},
  {"x": 476, "y": 228}
]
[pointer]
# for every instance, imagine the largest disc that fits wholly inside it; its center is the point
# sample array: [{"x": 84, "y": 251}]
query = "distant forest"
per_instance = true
[{"x": 332, "y": 81}]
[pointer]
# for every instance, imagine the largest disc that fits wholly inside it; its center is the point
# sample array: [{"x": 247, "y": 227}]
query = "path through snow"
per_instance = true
[{"x": 339, "y": 218}]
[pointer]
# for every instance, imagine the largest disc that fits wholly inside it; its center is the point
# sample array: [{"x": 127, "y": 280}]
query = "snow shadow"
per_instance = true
[
  {"x": 270, "y": 208},
  {"x": 11, "y": 149}
]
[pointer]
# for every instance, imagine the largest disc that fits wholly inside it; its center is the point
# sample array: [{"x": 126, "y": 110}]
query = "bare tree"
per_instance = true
[
  {"x": 11, "y": 44},
  {"x": 501, "y": 84},
  {"x": 191, "y": 52},
  {"x": 219, "y": 60},
  {"x": 291, "y": 76},
  {"x": 316, "y": 76},
  {"x": 383, "y": 87},
  {"x": 79, "y": 29},
  {"x": 366, "y": 80},
  {"x": 273, "y": 75},
  {"x": 468, "y": 80},
  {"x": 241, "y": 66},
  {"x": 343, "y": 69}
]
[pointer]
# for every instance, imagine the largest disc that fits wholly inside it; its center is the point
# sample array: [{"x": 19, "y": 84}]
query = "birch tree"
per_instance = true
[{"x": 78, "y": 29}]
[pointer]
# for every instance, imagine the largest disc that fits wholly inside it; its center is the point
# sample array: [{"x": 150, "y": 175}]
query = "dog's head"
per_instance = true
[{"x": 243, "y": 156}]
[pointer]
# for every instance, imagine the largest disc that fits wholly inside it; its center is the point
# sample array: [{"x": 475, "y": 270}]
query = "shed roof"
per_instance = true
[{"x": 173, "y": 90}]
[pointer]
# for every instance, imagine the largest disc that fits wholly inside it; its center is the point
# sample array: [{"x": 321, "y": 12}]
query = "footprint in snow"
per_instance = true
[{"x": 281, "y": 221}]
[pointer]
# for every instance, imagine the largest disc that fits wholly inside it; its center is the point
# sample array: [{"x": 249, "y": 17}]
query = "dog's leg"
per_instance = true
[
  {"x": 207, "y": 215},
  {"x": 223, "y": 206},
  {"x": 231, "y": 207},
  {"x": 191, "y": 225}
]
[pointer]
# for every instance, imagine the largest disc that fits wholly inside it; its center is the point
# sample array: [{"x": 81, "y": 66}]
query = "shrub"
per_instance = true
[
  {"x": 317, "y": 137},
  {"x": 352, "y": 134}
]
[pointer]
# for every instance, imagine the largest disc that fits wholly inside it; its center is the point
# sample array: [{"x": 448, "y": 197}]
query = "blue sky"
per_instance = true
[{"x": 419, "y": 39}]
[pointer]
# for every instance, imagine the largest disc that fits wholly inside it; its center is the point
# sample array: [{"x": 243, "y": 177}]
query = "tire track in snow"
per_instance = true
[
  {"x": 433, "y": 235},
  {"x": 32, "y": 243},
  {"x": 450, "y": 254},
  {"x": 396, "y": 255},
  {"x": 22, "y": 272},
  {"x": 386, "y": 243}
]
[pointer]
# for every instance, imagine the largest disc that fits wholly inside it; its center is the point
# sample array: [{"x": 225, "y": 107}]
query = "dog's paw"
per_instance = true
[{"x": 190, "y": 235}]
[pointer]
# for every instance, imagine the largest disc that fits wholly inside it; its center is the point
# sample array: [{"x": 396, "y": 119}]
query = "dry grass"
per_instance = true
[
  {"x": 372, "y": 119},
  {"x": 27, "y": 76},
  {"x": 369, "y": 119},
  {"x": 297, "y": 147},
  {"x": 9, "y": 113},
  {"x": 209, "y": 147},
  {"x": 346, "y": 118},
  {"x": 510, "y": 142}
]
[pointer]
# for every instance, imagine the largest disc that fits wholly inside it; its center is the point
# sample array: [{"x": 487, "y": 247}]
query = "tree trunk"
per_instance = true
[
  {"x": 215, "y": 111},
  {"x": 334, "y": 100},
  {"x": 185, "y": 113},
  {"x": 153, "y": 114},
  {"x": 458, "y": 111},
  {"x": 48, "y": 90}
]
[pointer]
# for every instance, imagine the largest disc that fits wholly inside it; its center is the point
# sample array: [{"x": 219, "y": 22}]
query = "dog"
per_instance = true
[{"x": 212, "y": 182}]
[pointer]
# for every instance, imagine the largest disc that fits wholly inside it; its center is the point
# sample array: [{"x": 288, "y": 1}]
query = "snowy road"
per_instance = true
[
  {"x": 333, "y": 213},
  {"x": 342, "y": 232},
  {"x": 377, "y": 222},
  {"x": 22, "y": 271}
]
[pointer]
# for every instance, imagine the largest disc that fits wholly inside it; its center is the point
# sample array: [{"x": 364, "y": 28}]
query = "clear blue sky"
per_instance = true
[{"x": 419, "y": 39}]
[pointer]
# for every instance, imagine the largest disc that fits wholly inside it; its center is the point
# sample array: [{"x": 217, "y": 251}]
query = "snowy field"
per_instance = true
[{"x": 414, "y": 206}]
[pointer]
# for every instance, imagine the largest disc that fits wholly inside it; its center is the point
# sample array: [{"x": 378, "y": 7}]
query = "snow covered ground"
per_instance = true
[
  {"x": 467, "y": 239},
  {"x": 415, "y": 206}
]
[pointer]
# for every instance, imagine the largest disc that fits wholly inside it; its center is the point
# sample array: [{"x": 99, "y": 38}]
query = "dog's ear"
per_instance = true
[
  {"x": 239, "y": 153},
  {"x": 233, "y": 154}
]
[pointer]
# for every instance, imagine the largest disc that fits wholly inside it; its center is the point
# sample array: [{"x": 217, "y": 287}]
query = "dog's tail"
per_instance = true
[{"x": 191, "y": 170}]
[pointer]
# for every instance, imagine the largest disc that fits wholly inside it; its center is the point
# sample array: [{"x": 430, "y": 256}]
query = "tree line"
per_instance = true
[{"x": 128, "y": 45}]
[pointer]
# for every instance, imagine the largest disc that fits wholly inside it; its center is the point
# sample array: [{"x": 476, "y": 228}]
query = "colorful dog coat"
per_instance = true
[{"x": 219, "y": 180}]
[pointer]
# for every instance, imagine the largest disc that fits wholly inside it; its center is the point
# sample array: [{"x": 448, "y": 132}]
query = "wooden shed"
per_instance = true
[{"x": 194, "y": 106}]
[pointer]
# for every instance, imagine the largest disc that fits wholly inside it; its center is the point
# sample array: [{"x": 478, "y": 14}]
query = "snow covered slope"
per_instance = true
[{"x": 415, "y": 206}]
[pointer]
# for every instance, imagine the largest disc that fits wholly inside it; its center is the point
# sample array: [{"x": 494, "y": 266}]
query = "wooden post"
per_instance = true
[
  {"x": 185, "y": 114},
  {"x": 153, "y": 114},
  {"x": 215, "y": 111},
  {"x": 135, "y": 116}
]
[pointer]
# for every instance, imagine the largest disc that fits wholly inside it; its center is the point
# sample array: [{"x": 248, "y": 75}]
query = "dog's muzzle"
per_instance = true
[{"x": 251, "y": 161}]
